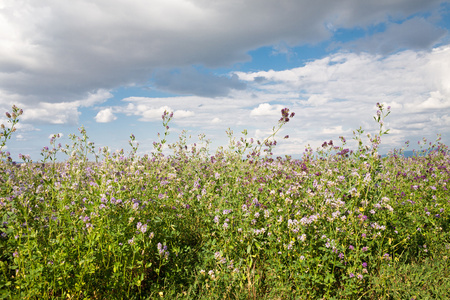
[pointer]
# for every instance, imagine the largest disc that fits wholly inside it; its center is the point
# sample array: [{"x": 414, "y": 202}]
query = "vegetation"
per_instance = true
[{"x": 237, "y": 224}]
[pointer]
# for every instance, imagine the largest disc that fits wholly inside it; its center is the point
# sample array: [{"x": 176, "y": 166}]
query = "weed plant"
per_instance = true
[{"x": 236, "y": 224}]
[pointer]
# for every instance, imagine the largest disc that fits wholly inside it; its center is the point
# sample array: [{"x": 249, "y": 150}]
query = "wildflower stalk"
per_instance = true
[
  {"x": 285, "y": 118},
  {"x": 6, "y": 133},
  {"x": 166, "y": 118}
]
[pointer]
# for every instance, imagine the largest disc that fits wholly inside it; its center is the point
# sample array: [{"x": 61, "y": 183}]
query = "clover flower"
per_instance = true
[
  {"x": 211, "y": 274},
  {"x": 303, "y": 237},
  {"x": 141, "y": 227}
]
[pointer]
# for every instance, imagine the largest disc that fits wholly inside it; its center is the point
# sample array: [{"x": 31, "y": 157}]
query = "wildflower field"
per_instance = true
[{"x": 235, "y": 224}]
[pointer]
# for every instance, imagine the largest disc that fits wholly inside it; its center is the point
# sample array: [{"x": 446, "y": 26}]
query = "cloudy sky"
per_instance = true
[{"x": 114, "y": 66}]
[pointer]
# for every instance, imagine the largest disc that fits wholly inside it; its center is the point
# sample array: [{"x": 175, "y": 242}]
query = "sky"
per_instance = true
[{"x": 114, "y": 66}]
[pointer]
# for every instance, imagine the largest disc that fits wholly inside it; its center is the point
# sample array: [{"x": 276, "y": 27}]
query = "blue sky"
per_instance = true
[{"x": 115, "y": 66}]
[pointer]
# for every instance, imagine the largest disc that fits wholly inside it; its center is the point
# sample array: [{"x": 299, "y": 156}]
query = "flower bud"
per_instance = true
[{"x": 8, "y": 115}]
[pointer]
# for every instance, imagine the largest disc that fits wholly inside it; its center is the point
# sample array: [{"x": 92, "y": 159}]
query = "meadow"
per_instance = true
[{"x": 339, "y": 223}]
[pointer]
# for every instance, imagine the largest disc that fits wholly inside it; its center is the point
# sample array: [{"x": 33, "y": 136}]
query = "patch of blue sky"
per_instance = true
[{"x": 274, "y": 58}]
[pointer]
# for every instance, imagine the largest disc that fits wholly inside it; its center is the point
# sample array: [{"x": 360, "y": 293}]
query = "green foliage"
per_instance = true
[{"x": 239, "y": 224}]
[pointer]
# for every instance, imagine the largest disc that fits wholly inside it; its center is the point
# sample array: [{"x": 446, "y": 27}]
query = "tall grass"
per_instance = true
[{"x": 337, "y": 224}]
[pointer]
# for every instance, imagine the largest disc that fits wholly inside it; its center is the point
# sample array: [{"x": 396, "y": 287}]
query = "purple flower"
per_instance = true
[
  {"x": 141, "y": 227},
  {"x": 351, "y": 247},
  {"x": 364, "y": 264},
  {"x": 352, "y": 275}
]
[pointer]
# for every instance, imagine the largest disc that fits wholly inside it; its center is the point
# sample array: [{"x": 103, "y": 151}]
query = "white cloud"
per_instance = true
[
  {"x": 93, "y": 98},
  {"x": 265, "y": 109},
  {"x": 180, "y": 114},
  {"x": 20, "y": 137},
  {"x": 105, "y": 116},
  {"x": 52, "y": 65},
  {"x": 152, "y": 114},
  {"x": 337, "y": 94},
  {"x": 331, "y": 97},
  {"x": 52, "y": 113},
  {"x": 317, "y": 100},
  {"x": 46, "y": 52},
  {"x": 216, "y": 120},
  {"x": 333, "y": 131}
]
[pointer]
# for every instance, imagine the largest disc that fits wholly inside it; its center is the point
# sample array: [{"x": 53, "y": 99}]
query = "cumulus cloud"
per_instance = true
[
  {"x": 216, "y": 120},
  {"x": 47, "y": 53},
  {"x": 105, "y": 116},
  {"x": 52, "y": 113},
  {"x": 331, "y": 96},
  {"x": 150, "y": 110},
  {"x": 337, "y": 94},
  {"x": 181, "y": 114},
  {"x": 53, "y": 66},
  {"x": 265, "y": 109},
  {"x": 60, "y": 112}
]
